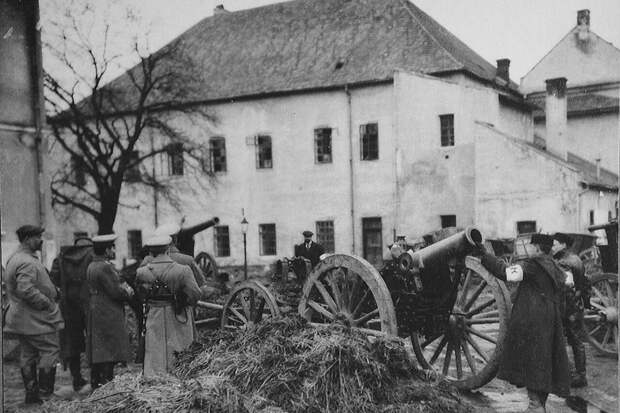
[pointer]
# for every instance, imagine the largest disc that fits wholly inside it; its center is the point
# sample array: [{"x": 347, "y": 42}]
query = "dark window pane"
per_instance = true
[
  {"x": 372, "y": 239},
  {"x": 132, "y": 174},
  {"x": 447, "y": 129},
  {"x": 448, "y": 221},
  {"x": 267, "y": 238},
  {"x": 134, "y": 242},
  {"x": 526, "y": 227},
  {"x": 175, "y": 159},
  {"x": 79, "y": 171},
  {"x": 217, "y": 150},
  {"x": 591, "y": 217},
  {"x": 325, "y": 235},
  {"x": 323, "y": 145},
  {"x": 369, "y": 141},
  {"x": 263, "y": 152},
  {"x": 222, "y": 241}
]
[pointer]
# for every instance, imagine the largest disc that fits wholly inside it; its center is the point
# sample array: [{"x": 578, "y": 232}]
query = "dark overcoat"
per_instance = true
[
  {"x": 534, "y": 353},
  {"x": 313, "y": 253},
  {"x": 68, "y": 273},
  {"x": 107, "y": 339}
]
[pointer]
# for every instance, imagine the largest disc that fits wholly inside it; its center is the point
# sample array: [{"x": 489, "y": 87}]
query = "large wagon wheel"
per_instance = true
[
  {"x": 601, "y": 319},
  {"x": 207, "y": 264},
  {"x": 348, "y": 290},
  {"x": 467, "y": 351},
  {"x": 249, "y": 303}
]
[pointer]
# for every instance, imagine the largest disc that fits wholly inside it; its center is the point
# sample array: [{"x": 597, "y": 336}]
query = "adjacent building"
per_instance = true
[{"x": 359, "y": 120}]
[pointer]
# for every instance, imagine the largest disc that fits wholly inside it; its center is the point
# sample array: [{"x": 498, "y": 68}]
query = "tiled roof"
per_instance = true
[
  {"x": 310, "y": 44},
  {"x": 579, "y": 104}
]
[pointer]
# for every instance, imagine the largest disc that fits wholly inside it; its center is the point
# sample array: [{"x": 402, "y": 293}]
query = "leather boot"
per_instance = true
[
  {"x": 76, "y": 374},
  {"x": 535, "y": 405},
  {"x": 579, "y": 379},
  {"x": 47, "y": 379},
  {"x": 31, "y": 384}
]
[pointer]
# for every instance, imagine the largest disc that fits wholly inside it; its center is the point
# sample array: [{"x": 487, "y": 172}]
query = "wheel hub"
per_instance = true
[{"x": 611, "y": 315}]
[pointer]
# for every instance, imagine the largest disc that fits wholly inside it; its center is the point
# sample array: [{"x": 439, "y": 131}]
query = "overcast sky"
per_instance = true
[{"x": 520, "y": 30}]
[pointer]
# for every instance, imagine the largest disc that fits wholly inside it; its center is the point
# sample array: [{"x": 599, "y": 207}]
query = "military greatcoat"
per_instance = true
[
  {"x": 107, "y": 339},
  {"x": 534, "y": 353}
]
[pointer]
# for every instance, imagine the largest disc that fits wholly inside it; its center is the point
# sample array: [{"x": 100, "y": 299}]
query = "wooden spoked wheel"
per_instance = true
[
  {"x": 467, "y": 351},
  {"x": 248, "y": 303},
  {"x": 601, "y": 320},
  {"x": 207, "y": 264},
  {"x": 347, "y": 289}
]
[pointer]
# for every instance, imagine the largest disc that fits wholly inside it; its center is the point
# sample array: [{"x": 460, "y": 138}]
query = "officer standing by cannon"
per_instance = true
[
  {"x": 309, "y": 249},
  {"x": 169, "y": 291},
  {"x": 576, "y": 299}
]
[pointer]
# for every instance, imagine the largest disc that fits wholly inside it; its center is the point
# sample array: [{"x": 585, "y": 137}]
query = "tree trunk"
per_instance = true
[{"x": 109, "y": 208}]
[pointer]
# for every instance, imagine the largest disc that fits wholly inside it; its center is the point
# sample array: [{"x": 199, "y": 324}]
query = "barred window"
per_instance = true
[
  {"x": 134, "y": 242},
  {"x": 267, "y": 238},
  {"x": 221, "y": 240},
  {"x": 323, "y": 145},
  {"x": 447, "y": 129},
  {"x": 79, "y": 171},
  {"x": 369, "y": 141},
  {"x": 132, "y": 174},
  {"x": 217, "y": 152},
  {"x": 263, "y": 152},
  {"x": 325, "y": 235},
  {"x": 526, "y": 227},
  {"x": 175, "y": 159},
  {"x": 448, "y": 221}
]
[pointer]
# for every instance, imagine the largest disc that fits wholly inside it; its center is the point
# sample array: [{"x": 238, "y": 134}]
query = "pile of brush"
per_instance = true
[{"x": 283, "y": 365}]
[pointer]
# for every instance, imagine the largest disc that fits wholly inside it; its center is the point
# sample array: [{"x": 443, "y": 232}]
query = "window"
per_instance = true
[
  {"x": 372, "y": 240},
  {"x": 80, "y": 234},
  {"x": 325, "y": 235},
  {"x": 132, "y": 174},
  {"x": 263, "y": 152},
  {"x": 448, "y": 221},
  {"x": 175, "y": 159},
  {"x": 526, "y": 227},
  {"x": 369, "y": 141},
  {"x": 134, "y": 242},
  {"x": 447, "y": 129},
  {"x": 79, "y": 171},
  {"x": 267, "y": 238},
  {"x": 217, "y": 154},
  {"x": 323, "y": 145},
  {"x": 222, "y": 241},
  {"x": 591, "y": 217}
]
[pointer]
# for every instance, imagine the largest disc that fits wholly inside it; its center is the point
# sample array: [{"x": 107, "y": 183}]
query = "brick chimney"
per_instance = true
[
  {"x": 503, "y": 69},
  {"x": 219, "y": 9},
  {"x": 555, "y": 117},
  {"x": 583, "y": 18}
]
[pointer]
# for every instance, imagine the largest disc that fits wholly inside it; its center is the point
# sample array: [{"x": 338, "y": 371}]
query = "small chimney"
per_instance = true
[
  {"x": 219, "y": 9},
  {"x": 555, "y": 116},
  {"x": 598, "y": 168},
  {"x": 503, "y": 69},
  {"x": 583, "y": 18}
]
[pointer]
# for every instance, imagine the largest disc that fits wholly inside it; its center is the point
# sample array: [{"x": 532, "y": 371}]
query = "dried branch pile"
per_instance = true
[{"x": 283, "y": 365}]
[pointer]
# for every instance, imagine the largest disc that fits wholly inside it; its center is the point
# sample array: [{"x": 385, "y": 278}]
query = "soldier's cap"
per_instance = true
[
  {"x": 104, "y": 239},
  {"x": 542, "y": 239},
  {"x": 307, "y": 234},
  {"x": 167, "y": 229},
  {"x": 158, "y": 241},
  {"x": 28, "y": 231},
  {"x": 563, "y": 238}
]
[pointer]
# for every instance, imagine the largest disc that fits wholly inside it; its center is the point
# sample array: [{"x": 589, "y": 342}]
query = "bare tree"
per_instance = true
[{"x": 106, "y": 129}]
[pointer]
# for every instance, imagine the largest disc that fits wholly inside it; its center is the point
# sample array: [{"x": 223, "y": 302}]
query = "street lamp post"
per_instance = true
[{"x": 244, "y": 230}]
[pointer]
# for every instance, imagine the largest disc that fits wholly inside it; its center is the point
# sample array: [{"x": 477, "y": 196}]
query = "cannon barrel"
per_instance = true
[
  {"x": 455, "y": 246},
  {"x": 185, "y": 237}
]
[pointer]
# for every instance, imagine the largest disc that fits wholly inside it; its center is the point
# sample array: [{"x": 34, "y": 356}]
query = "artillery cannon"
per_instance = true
[
  {"x": 452, "y": 308},
  {"x": 185, "y": 243}
]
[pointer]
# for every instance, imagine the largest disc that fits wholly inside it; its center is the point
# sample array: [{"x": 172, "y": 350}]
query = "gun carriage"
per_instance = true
[{"x": 186, "y": 243}]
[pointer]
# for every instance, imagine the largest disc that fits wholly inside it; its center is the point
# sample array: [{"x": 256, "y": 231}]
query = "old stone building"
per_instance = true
[{"x": 359, "y": 120}]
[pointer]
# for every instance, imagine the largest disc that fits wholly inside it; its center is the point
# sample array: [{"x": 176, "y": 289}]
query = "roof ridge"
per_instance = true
[
  {"x": 406, "y": 4},
  {"x": 547, "y": 54}
]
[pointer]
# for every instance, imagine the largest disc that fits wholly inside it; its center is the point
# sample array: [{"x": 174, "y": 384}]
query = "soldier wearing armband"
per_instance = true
[
  {"x": 169, "y": 291},
  {"x": 534, "y": 356}
]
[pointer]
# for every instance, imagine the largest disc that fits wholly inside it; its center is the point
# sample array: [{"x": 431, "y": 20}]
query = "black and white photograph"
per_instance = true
[{"x": 281, "y": 206}]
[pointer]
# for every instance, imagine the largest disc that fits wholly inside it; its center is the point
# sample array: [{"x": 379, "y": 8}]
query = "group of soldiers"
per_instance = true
[
  {"x": 89, "y": 310},
  {"x": 79, "y": 306}
]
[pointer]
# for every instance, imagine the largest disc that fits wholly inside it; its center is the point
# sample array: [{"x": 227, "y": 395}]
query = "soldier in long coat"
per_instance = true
[
  {"x": 170, "y": 292},
  {"x": 107, "y": 340},
  {"x": 309, "y": 249},
  {"x": 33, "y": 315},
  {"x": 534, "y": 355},
  {"x": 68, "y": 273}
]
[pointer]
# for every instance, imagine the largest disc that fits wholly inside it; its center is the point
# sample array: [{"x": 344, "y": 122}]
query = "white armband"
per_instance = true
[
  {"x": 514, "y": 273},
  {"x": 569, "y": 281}
]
